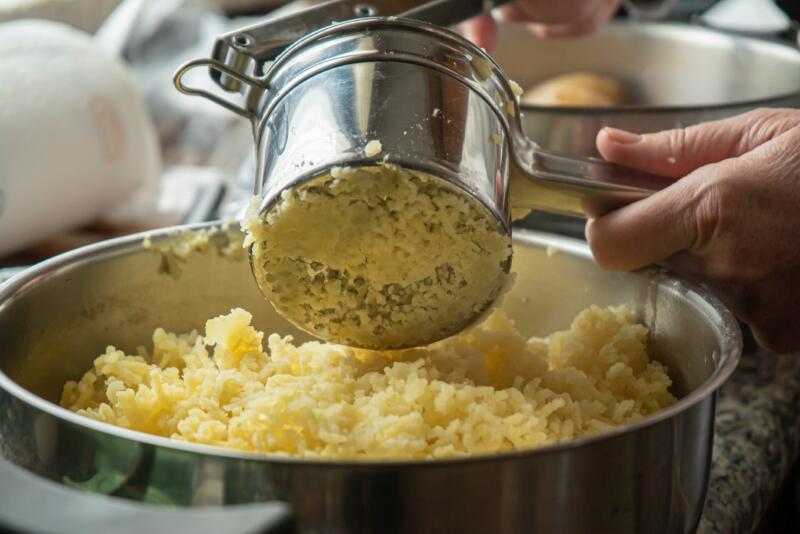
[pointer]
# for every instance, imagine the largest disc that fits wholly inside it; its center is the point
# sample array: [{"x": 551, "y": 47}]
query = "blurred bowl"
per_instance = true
[{"x": 675, "y": 74}]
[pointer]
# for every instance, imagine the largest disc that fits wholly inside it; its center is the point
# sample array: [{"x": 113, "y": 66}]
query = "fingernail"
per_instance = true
[{"x": 621, "y": 136}]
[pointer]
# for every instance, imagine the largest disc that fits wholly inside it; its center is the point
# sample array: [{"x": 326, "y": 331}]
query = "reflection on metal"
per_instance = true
[
  {"x": 675, "y": 74},
  {"x": 404, "y": 71}
]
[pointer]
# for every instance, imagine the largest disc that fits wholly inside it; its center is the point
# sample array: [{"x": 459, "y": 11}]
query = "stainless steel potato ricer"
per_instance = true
[{"x": 319, "y": 85}]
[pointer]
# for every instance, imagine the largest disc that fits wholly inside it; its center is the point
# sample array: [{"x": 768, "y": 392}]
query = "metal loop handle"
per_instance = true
[{"x": 224, "y": 69}]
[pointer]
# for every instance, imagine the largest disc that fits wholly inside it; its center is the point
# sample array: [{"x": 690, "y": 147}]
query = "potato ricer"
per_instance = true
[{"x": 319, "y": 85}]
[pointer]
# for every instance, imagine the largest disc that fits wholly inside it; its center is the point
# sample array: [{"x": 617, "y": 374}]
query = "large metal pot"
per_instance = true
[
  {"x": 648, "y": 477},
  {"x": 676, "y": 74}
]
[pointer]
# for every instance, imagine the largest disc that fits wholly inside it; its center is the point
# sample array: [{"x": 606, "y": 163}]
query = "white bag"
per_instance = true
[{"x": 75, "y": 136}]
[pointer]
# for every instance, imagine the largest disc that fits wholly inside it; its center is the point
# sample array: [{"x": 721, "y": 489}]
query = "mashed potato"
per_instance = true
[
  {"x": 483, "y": 391},
  {"x": 378, "y": 257}
]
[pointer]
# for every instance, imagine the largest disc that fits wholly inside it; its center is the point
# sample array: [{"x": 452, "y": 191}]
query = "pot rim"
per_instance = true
[
  {"x": 728, "y": 332},
  {"x": 764, "y": 46}
]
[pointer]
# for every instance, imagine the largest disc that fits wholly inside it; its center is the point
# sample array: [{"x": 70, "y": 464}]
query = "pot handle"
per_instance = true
[{"x": 29, "y": 503}]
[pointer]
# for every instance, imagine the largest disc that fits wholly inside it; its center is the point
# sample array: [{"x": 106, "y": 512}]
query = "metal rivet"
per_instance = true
[
  {"x": 242, "y": 41},
  {"x": 365, "y": 10}
]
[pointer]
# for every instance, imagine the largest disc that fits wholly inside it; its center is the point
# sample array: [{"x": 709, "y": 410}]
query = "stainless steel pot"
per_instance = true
[
  {"x": 650, "y": 476},
  {"x": 677, "y": 75}
]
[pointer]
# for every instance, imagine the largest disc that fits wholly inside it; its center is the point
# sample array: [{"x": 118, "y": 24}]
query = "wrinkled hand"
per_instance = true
[
  {"x": 546, "y": 18},
  {"x": 731, "y": 220}
]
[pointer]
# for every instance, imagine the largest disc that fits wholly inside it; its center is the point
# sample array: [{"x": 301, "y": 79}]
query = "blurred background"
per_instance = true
[{"x": 96, "y": 142}]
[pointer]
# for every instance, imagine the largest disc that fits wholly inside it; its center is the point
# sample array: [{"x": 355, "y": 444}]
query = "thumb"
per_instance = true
[{"x": 675, "y": 153}]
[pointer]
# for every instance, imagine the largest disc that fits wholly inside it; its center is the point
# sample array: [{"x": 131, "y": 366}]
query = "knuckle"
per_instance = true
[
  {"x": 717, "y": 219},
  {"x": 711, "y": 202},
  {"x": 762, "y": 113},
  {"x": 794, "y": 136},
  {"x": 767, "y": 115},
  {"x": 764, "y": 124},
  {"x": 676, "y": 143}
]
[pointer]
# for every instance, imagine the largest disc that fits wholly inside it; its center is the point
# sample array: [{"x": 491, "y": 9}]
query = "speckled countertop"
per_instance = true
[{"x": 755, "y": 444}]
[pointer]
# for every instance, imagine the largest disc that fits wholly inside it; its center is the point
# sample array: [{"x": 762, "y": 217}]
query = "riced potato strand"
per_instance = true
[
  {"x": 484, "y": 391},
  {"x": 378, "y": 257}
]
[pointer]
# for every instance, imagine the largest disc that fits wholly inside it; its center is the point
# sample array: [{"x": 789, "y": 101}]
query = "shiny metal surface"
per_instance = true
[
  {"x": 649, "y": 477},
  {"x": 437, "y": 104},
  {"x": 31, "y": 504},
  {"x": 9, "y": 272},
  {"x": 364, "y": 80},
  {"x": 247, "y": 49},
  {"x": 242, "y": 54},
  {"x": 435, "y": 101},
  {"x": 676, "y": 74}
]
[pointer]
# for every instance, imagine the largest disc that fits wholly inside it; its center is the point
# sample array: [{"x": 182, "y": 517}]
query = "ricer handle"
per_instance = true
[
  {"x": 246, "y": 50},
  {"x": 572, "y": 185}
]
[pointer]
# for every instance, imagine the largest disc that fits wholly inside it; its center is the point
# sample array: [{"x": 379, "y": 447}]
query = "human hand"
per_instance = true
[
  {"x": 731, "y": 220},
  {"x": 547, "y": 19}
]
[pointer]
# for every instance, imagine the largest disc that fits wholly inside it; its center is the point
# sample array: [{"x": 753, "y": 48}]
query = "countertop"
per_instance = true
[{"x": 755, "y": 443}]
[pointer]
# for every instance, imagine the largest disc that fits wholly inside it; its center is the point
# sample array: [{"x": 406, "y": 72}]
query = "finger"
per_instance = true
[
  {"x": 552, "y": 21},
  {"x": 777, "y": 337},
  {"x": 562, "y": 12},
  {"x": 648, "y": 230},
  {"x": 481, "y": 30},
  {"x": 766, "y": 311},
  {"x": 735, "y": 297},
  {"x": 675, "y": 153},
  {"x": 762, "y": 305},
  {"x": 687, "y": 265},
  {"x": 588, "y": 23},
  {"x": 515, "y": 13},
  {"x": 688, "y": 215},
  {"x": 694, "y": 268}
]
